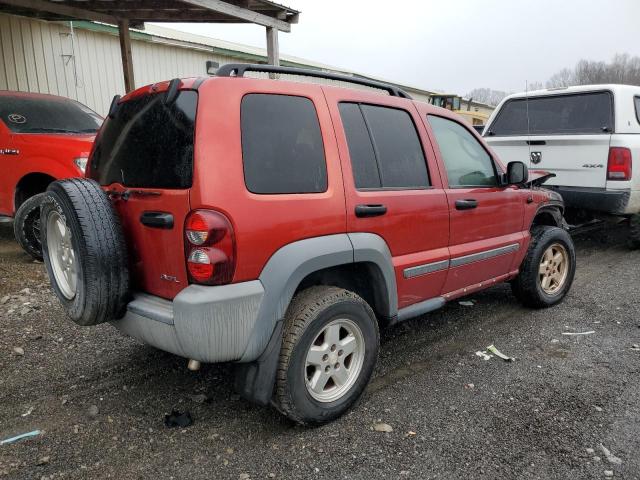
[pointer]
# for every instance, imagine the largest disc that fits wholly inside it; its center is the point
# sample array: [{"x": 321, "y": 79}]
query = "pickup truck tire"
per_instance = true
[
  {"x": 84, "y": 251},
  {"x": 329, "y": 350},
  {"x": 26, "y": 226},
  {"x": 547, "y": 271},
  {"x": 634, "y": 231}
]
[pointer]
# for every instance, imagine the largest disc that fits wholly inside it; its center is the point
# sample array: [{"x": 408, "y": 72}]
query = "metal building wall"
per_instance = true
[
  {"x": 38, "y": 56},
  {"x": 45, "y": 57}
]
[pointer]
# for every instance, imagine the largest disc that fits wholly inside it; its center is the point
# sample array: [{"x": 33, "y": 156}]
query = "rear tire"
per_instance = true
[
  {"x": 84, "y": 251},
  {"x": 634, "y": 231},
  {"x": 547, "y": 271},
  {"x": 331, "y": 336},
  {"x": 26, "y": 226}
]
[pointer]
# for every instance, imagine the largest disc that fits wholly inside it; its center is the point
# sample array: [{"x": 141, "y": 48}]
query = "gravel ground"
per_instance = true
[{"x": 100, "y": 398}]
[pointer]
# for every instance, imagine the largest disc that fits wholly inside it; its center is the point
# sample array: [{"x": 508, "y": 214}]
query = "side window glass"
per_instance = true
[
  {"x": 467, "y": 163},
  {"x": 282, "y": 149},
  {"x": 636, "y": 101},
  {"x": 384, "y": 147},
  {"x": 363, "y": 157}
]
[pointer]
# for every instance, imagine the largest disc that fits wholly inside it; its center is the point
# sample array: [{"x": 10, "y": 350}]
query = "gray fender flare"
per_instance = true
[{"x": 288, "y": 266}]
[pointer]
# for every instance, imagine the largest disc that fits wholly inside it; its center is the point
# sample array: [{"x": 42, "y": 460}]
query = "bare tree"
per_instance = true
[
  {"x": 486, "y": 95},
  {"x": 622, "y": 68},
  {"x": 563, "y": 78}
]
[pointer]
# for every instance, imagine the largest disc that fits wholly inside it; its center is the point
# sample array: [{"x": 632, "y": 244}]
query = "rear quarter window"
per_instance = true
[
  {"x": 584, "y": 113},
  {"x": 282, "y": 148}
]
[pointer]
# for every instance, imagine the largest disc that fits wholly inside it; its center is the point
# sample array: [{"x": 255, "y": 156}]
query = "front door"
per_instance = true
[
  {"x": 8, "y": 153},
  {"x": 486, "y": 217},
  {"x": 393, "y": 188}
]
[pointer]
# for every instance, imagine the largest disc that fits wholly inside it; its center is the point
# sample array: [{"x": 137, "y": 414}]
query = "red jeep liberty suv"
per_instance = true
[{"x": 279, "y": 224}]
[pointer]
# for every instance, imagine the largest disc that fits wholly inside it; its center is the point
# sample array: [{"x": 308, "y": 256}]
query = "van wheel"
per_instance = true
[
  {"x": 26, "y": 226},
  {"x": 330, "y": 347},
  {"x": 634, "y": 231},
  {"x": 84, "y": 251},
  {"x": 547, "y": 272}
]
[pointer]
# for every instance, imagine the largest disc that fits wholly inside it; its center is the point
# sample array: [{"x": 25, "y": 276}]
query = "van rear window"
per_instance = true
[
  {"x": 148, "y": 143},
  {"x": 584, "y": 113}
]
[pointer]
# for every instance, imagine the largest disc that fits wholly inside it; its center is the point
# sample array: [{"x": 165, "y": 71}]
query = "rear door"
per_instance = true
[
  {"x": 393, "y": 187},
  {"x": 144, "y": 157},
  {"x": 567, "y": 134},
  {"x": 486, "y": 217}
]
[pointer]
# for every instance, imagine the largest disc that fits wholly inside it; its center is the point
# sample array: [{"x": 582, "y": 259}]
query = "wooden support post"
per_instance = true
[
  {"x": 125, "y": 52},
  {"x": 273, "y": 50}
]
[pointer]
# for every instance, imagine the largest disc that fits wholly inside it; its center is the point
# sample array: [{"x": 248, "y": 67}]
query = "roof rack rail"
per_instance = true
[{"x": 239, "y": 69}]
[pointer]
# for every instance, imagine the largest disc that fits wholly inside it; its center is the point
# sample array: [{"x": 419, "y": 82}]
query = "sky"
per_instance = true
[{"x": 451, "y": 45}]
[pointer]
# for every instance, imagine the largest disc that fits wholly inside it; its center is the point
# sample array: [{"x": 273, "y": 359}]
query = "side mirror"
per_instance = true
[{"x": 517, "y": 173}]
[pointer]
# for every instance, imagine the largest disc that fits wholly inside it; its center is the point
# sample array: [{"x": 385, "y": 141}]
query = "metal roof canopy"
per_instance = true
[{"x": 133, "y": 13}]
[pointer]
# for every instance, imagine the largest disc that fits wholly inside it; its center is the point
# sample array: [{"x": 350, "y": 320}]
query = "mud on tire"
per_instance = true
[
  {"x": 98, "y": 251},
  {"x": 310, "y": 312},
  {"x": 527, "y": 286},
  {"x": 26, "y": 226}
]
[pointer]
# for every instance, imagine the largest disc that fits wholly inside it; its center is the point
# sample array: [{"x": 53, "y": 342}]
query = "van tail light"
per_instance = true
[
  {"x": 619, "y": 166},
  {"x": 210, "y": 248}
]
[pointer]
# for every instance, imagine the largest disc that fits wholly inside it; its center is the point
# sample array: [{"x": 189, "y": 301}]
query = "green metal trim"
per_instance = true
[
  {"x": 251, "y": 57},
  {"x": 102, "y": 28}
]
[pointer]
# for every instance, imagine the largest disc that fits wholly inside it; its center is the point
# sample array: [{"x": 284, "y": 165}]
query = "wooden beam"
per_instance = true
[
  {"x": 125, "y": 52},
  {"x": 61, "y": 9},
  {"x": 242, "y": 14},
  {"x": 273, "y": 50}
]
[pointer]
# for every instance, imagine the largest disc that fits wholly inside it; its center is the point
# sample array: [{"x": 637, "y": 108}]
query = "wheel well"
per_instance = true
[
  {"x": 365, "y": 279},
  {"x": 551, "y": 217},
  {"x": 30, "y": 185}
]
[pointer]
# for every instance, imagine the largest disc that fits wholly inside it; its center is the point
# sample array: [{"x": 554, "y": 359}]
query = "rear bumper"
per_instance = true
[
  {"x": 594, "y": 199},
  {"x": 209, "y": 324}
]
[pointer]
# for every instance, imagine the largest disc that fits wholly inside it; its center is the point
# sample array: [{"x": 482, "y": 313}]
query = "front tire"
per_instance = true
[
  {"x": 329, "y": 351},
  {"x": 547, "y": 271},
  {"x": 26, "y": 226}
]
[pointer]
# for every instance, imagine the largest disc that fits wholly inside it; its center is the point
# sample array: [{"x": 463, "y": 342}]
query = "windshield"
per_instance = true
[{"x": 47, "y": 115}]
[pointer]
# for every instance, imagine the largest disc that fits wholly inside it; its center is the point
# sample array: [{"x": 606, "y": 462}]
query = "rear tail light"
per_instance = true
[
  {"x": 209, "y": 248},
  {"x": 619, "y": 166}
]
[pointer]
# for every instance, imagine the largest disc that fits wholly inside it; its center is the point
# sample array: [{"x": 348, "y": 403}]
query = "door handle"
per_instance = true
[
  {"x": 157, "y": 220},
  {"x": 370, "y": 210},
  {"x": 466, "y": 204}
]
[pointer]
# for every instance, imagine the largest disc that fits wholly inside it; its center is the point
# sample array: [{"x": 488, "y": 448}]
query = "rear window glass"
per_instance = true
[
  {"x": 47, "y": 115},
  {"x": 384, "y": 147},
  {"x": 636, "y": 100},
  {"x": 587, "y": 113},
  {"x": 148, "y": 143},
  {"x": 282, "y": 149}
]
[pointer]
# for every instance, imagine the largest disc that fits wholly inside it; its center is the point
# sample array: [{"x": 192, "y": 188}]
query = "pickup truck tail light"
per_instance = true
[
  {"x": 619, "y": 166},
  {"x": 209, "y": 248}
]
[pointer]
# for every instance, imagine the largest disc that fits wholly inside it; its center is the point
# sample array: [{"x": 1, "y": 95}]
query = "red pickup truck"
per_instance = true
[{"x": 42, "y": 138}]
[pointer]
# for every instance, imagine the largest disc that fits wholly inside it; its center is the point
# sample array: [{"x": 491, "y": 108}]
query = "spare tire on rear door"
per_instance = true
[{"x": 84, "y": 251}]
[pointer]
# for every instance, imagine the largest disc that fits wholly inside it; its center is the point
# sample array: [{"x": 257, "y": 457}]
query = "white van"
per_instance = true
[{"x": 587, "y": 136}]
